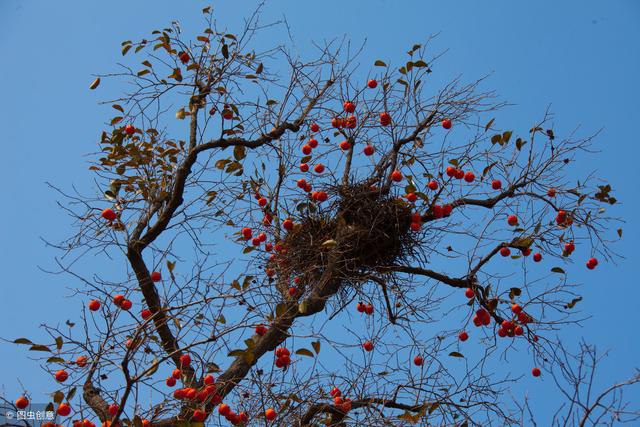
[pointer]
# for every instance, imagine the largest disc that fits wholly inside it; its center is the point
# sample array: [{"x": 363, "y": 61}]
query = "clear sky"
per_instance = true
[{"x": 582, "y": 58}]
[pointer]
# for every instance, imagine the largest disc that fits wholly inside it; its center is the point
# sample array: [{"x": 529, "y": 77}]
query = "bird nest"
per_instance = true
[{"x": 362, "y": 229}]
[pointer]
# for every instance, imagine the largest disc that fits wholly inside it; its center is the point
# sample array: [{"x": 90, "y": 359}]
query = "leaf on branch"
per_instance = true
[
  {"x": 233, "y": 167},
  {"x": 71, "y": 393},
  {"x": 433, "y": 407},
  {"x": 456, "y": 354},
  {"x": 488, "y": 168},
  {"x": 94, "y": 84},
  {"x": 316, "y": 346},
  {"x": 304, "y": 352},
  {"x": 379, "y": 63},
  {"x": 558, "y": 270},
  {"x": 39, "y": 347},
  {"x": 56, "y": 359},
  {"x": 154, "y": 367},
  {"x": 239, "y": 152},
  {"x": 514, "y": 292},
  {"x": 22, "y": 341},
  {"x": 176, "y": 75},
  {"x": 573, "y": 302},
  {"x": 506, "y": 136},
  {"x": 489, "y": 124}
]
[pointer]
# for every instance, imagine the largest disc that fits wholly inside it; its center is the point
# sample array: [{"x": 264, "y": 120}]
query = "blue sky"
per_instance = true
[{"x": 579, "y": 57}]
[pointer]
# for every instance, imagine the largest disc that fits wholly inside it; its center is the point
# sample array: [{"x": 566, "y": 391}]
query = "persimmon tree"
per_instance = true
[{"x": 302, "y": 243}]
